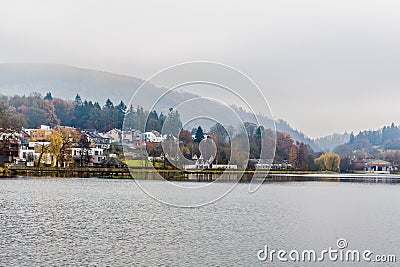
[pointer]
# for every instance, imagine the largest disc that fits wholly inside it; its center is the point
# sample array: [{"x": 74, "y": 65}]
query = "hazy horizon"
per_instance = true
[{"x": 325, "y": 67}]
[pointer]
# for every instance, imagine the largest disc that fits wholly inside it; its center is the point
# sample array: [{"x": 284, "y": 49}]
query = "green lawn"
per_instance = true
[{"x": 142, "y": 163}]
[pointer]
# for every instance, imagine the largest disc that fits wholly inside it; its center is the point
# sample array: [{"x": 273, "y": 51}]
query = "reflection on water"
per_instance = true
[
  {"x": 111, "y": 222},
  {"x": 246, "y": 177}
]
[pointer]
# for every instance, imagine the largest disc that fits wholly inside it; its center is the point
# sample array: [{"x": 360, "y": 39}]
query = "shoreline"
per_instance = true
[{"x": 197, "y": 176}]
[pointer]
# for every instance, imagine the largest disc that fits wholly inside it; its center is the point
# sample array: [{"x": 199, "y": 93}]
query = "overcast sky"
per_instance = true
[{"x": 324, "y": 66}]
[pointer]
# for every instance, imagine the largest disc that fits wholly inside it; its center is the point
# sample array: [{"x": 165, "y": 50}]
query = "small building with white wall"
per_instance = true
[{"x": 378, "y": 166}]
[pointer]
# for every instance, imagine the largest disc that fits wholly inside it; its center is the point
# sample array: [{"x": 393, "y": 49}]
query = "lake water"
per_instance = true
[{"x": 102, "y": 222}]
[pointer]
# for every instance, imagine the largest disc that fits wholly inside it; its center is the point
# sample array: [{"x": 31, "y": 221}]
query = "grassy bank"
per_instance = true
[{"x": 142, "y": 163}]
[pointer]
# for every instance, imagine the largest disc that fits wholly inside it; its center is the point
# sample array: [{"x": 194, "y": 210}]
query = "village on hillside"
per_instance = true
[
  {"x": 44, "y": 131},
  {"x": 66, "y": 146}
]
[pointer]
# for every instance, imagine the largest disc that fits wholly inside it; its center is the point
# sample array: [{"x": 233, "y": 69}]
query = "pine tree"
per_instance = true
[
  {"x": 199, "y": 135},
  {"x": 121, "y": 110},
  {"x": 109, "y": 103},
  {"x": 78, "y": 99},
  {"x": 48, "y": 96}
]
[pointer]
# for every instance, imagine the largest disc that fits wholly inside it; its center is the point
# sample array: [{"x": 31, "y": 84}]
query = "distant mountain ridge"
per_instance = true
[
  {"x": 65, "y": 82},
  {"x": 330, "y": 142}
]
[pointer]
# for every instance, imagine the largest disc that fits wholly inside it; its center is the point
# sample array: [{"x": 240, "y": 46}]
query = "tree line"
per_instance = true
[
  {"x": 231, "y": 148},
  {"x": 369, "y": 143},
  {"x": 35, "y": 110}
]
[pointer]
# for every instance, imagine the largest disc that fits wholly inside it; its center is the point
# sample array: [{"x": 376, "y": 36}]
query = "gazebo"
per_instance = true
[{"x": 113, "y": 162}]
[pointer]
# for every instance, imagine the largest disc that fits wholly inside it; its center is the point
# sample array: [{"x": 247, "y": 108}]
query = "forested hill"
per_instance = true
[
  {"x": 64, "y": 82},
  {"x": 386, "y": 138},
  {"x": 35, "y": 110}
]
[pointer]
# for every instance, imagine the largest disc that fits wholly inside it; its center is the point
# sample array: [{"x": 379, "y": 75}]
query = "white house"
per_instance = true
[
  {"x": 28, "y": 154},
  {"x": 96, "y": 154},
  {"x": 116, "y": 135},
  {"x": 100, "y": 140},
  {"x": 152, "y": 136}
]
